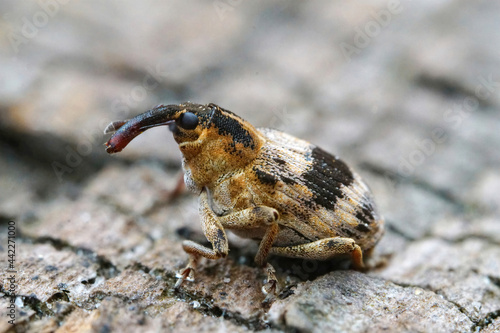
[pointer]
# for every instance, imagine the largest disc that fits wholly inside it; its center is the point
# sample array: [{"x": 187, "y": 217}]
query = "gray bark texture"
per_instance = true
[{"x": 408, "y": 93}]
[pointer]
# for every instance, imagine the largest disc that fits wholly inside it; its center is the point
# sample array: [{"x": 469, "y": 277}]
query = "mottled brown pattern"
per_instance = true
[{"x": 295, "y": 198}]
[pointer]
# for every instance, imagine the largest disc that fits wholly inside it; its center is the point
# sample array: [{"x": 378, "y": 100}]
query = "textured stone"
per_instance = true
[
  {"x": 465, "y": 273},
  {"x": 100, "y": 239},
  {"x": 88, "y": 225},
  {"x": 354, "y": 302},
  {"x": 50, "y": 275}
]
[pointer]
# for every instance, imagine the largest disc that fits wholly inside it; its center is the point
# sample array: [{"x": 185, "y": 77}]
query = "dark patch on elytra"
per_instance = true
[
  {"x": 265, "y": 178},
  {"x": 227, "y": 125},
  {"x": 365, "y": 217},
  {"x": 288, "y": 180},
  {"x": 325, "y": 178},
  {"x": 362, "y": 227},
  {"x": 368, "y": 212},
  {"x": 280, "y": 161},
  {"x": 348, "y": 232},
  {"x": 283, "y": 171},
  {"x": 296, "y": 209}
]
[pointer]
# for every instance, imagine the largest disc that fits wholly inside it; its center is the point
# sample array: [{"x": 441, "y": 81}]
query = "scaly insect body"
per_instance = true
[{"x": 296, "y": 199}]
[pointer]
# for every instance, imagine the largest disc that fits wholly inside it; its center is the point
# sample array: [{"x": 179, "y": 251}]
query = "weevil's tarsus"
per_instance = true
[
  {"x": 272, "y": 281},
  {"x": 186, "y": 274}
]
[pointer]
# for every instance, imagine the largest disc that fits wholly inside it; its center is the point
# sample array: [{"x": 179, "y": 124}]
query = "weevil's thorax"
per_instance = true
[{"x": 221, "y": 145}]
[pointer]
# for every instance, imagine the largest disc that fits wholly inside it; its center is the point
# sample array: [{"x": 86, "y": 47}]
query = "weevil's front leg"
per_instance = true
[
  {"x": 215, "y": 234},
  {"x": 324, "y": 249}
]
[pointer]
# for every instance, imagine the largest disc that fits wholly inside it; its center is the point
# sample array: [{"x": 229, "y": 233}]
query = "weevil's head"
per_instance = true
[{"x": 211, "y": 139}]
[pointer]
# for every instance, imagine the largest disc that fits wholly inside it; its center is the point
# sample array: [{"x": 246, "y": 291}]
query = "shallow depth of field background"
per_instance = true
[{"x": 407, "y": 92}]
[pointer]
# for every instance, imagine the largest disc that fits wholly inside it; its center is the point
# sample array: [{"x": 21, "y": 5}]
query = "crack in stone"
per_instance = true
[
  {"x": 464, "y": 238},
  {"x": 485, "y": 321},
  {"x": 32, "y": 302},
  {"x": 420, "y": 183},
  {"x": 449, "y": 88},
  {"x": 108, "y": 270},
  {"x": 45, "y": 148},
  {"x": 461, "y": 239},
  {"x": 477, "y": 324},
  {"x": 436, "y": 292},
  {"x": 255, "y": 322},
  {"x": 460, "y": 308},
  {"x": 42, "y": 309},
  {"x": 390, "y": 226},
  {"x": 105, "y": 267},
  {"x": 107, "y": 200},
  {"x": 495, "y": 280}
]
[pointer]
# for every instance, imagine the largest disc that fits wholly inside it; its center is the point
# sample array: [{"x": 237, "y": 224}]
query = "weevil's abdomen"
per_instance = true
[{"x": 317, "y": 194}]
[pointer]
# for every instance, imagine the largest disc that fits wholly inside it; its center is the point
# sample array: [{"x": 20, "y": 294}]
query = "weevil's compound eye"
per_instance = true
[{"x": 188, "y": 120}]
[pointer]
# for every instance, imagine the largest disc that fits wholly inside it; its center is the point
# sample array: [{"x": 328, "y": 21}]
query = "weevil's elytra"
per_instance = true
[{"x": 296, "y": 199}]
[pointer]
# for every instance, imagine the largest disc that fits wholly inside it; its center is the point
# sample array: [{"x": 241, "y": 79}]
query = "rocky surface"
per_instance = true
[{"x": 408, "y": 93}]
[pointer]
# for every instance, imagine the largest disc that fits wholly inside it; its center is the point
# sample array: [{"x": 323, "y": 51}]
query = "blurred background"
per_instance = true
[{"x": 407, "y": 92}]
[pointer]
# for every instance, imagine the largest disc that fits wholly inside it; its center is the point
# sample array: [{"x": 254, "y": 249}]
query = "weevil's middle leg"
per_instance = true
[
  {"x": 324, "y": 249},
  {"x": 271, "y": 287},
  {"x": 259, "y": 217}
]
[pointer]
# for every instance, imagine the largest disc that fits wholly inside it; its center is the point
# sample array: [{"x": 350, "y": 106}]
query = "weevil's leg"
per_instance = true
[
  {"x": 270, "y": 289},
  {"x": 323, "y": 249},
  {"x": 255, "y": 217},
  {"x": 271, "y": 286},
  {"x": 215, "y": 234},
  {"x": 250, "y": 218},
  {"x": 266, "y": 244}
]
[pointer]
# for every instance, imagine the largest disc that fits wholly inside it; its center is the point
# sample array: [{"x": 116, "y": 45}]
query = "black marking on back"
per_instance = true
[
  {"x": 279, "y": 161},
  {"x": 325, "y": 178},
  {"x": 347, "y": 232},
  {"x": 362, "y": 227},
  {"x": 365, "y": 217},
  {"x": 288, "y": 180},
  {"x": 264, "y": 177},
  {"x": 227, "y": 125}
]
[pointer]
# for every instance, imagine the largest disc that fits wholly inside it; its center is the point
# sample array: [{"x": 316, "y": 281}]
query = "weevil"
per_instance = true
[{"x": 293, "y": 197}]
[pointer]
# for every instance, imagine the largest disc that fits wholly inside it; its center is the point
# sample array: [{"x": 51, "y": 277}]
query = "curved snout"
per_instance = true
[{"x": 126, "y": 131}]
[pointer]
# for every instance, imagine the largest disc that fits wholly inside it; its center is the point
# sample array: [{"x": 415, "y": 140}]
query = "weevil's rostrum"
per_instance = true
[{"x": 296, "y": 199}]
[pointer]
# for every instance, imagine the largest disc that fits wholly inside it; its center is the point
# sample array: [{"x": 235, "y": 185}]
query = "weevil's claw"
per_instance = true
[
  {"x": 271, "y": 287},
  {"x": 183, "y": 275},
  {"x": 270, "y": 290}
]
